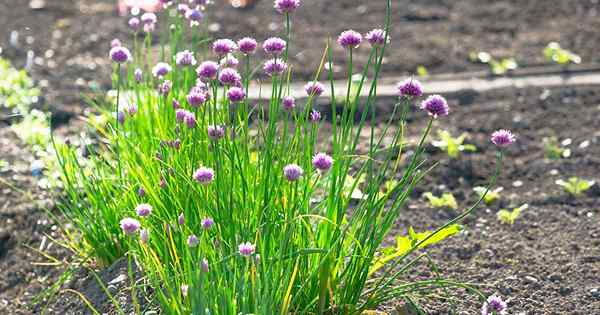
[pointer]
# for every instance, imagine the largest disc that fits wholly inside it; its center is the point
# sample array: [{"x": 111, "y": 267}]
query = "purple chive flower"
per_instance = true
[
  {"x": 207, "y": 70},
  {"x": 236, "y": 94},
  {"x": 143, "y": 209},
  {"x": 120, "y": 117},
  {"x": 229, "y": 76},
  {"x": 274, "y": 67},
  {"x": 120, "y": 54},
  {"x": 134, "y": 23},
  {"x": 161, "y": 69},
  {"x": 190, "y": 120},
  {"x": 194, "y": 16},
  {"x": 314, "y": 88},
  {"x": 216, "y": 132},
  {"x": 229, "y": 61},
  {"x": 180, "y": 115},
  {"x": 184, "y": 289},
  {"x": 149, "y": 18},
  {"x": 164, "y": 88},
  {"x": 494, "y": 306},
  {"x": 293, "y": 172},
  {"x": 182, "y": 8},
  {"x": 181, "y": 219},
  {"x": 322, "y": 162},
  {"x": 207, "y": 223},
  {"x": 176, "y": 144},
  {"x": 247, "y": 45},
  {"x": 138, "y": 75},
  {"x": 274, "y": 46},
  {"x": 246, "y": 249},
  {"x": 175, "y": 104},
  {"x": 289, "y": 103},
  {"x": 410, "y": 88},
  {"x": 129, "y": 225},
  {"x": 141, "y": 192},
  {"x": 144, "y": 236},
  {"x": 376, "y": 37},
  {"x": 222, "y": 47},
  {"x": 315, "y": 116},
  {"x": 185, "y": 58},
  {"x": 503, "y": 138},
  {"x": 350, "y": 39},
  {"x": 192, "y": 240},
  {"x": 115, "y": 43},
  {"x": 286, "y": 6},
  {"x": 132, "y": 110},
  {"x": 196, "y": 97},
  {"x": 204, "y": 265},
  {"x": 436, "y": 106},
  {"x": 149, "y": 28},
  {"x": 162, "y": 183},
  {"x": 204, "y": 175}
]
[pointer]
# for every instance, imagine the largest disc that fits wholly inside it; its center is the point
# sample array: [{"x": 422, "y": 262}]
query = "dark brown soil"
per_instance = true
[{"x": 546, "y": 263}]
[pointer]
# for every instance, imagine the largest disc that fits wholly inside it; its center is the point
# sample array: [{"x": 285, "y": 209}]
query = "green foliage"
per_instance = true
[
  {"x": 491, "y": 196},
  {"x": 497, "y": 66},
  {"x": 422, "y": 71},
  {"x": 510, "y": 216},
  {"x": 553, "y": 150},
  {"x": 575, "y": 185},
  {"x": 446, "y": 200},
  {"x": 451, "y": 145},
  {"x": 17, "y": 91},
  {"x": 554, "y": 53},
  {"x": 34, "y": 129}
]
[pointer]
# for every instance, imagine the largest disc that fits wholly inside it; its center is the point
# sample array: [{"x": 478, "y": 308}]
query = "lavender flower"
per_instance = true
[
  {"x": 410, "y": 88},
  {"x": 144, "y": 236},
  {"x": 503, "y": 138},
  {"x": 315, "y": 116},
  {"x": 164, "y": 88},
  {"x": 286, "y": 6},
  {"x": 204, "y": 265},
  {"x": 246, "y": 249},
  {"x": 184, "y": 290},
  {"x": 207, "y": 70},
  {"x": 194, "y": 16},
  {"x": 143, "y": 209},
  {"x": 129, "y": 225},
  {"x": 190, "y": 120},
  {"x": 229, "y": 61},
  {"x": 216, "y": 132},
  {"x": 350, "y": 39},
  {"x": 149, "y": 18},
  {"x": 314, "y": 88},
  {"x": 274, "y": 67},
  {"x": 274, "y": 46},
  {"x": 180, "y": 115},
  {"x": 289, "y": 103},
  {"x": 229, "y": 76},
  {"x": 132, "y": 109},
  {"x": 185, "y": 58},
  {"x": 293, "y": 172},
  {"x": 196, "y": 97},
  {"x": 494, "y": 306},
  {"x": 175, "y": 104},
  {"x": 207, "y": 223},
  {"x": 247, "y": 45},
  {"x": 322, "y": 162},
  {"x": 436, "y": 106},
  {"x": 181, "y": 219},
  {"x": 138, "y": 75},
  {"x": 376, "y": 37},
  {"x": 162, "y": 183},
  {"x": 115, "y": 43},
  {"x": 121, "y": 117},
  {"x": 222, "y": 47},
  {"x": 120, "y": 54},
  {"x": 161, "y": 69},
  {"x": 204, "y": 175},
  {"x": 182, "y": 8},
  {"x": 134, "y": 23},
  {"x": 192, "y": 241},
  {"x": 141, "y": 192},
  {"x": 236, "y": 94}
]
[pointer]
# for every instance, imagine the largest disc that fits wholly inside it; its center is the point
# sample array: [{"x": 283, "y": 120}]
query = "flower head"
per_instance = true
[
  {"x": 322, "y": 162},
  {"x": 180, "y": 115},
  {"x": 129, "y": 225},
  {"x": 246, "y": 249},
  {"x": 350, "y": 39},
  {"x": 286, "y": 6},
  {"x": 494, "y": 306},
  {"x": 204, "y": 265},
  {"x": 503, "y": 138},
  {"x": 314, "y": 88},
  {"x": 204, "y": 175},
  {"x": 143, "y": 209},
  {"x": 185, "y": 58},
  {"x": 216, "y": 132},
  {"x": 194, "y": 16},
  {"x": 229, "y": 61},
  {"x": 164, "y": 88},
  {"x": 410, "y": 88},
  {"x": 196, "y": 97},
  {"x": 207, "y": 223},
  {"x": 274, "y": 67},
  {"x": 141, "y": 192},
  {"x": 274, "y": 46},
  {"x": 190, "y": 120},
  {"x": 293, "y": 172},
  {"x": 192, "y": 240},
  {"x": 288, "y": 102},
  {"x": 115, "y": 43},
  {"x": 207, "y": 70},
  {"x": 181, "y": 219},
  {"x": 132, "y": 109},
  {"x": 134, "y": 23},
  {"x": 236, "y": 94},
  {"x": 144, "y": 235},
  {"x": 120, "y": 54},
  {"x": 229, "y": 76},
  {"x": 149, "y": 18},
  {"x": 161, "y": 69},
  {"x": 120, "y": 117},
  {"x": 247, "y": 45},
  {"x": 315, "y": 116},
  {"x": 138, "y": 75},
  {"x": 222, "y": 47},
  {"x": 376, "y": 37},
  {"x": 436, "y": 106}
]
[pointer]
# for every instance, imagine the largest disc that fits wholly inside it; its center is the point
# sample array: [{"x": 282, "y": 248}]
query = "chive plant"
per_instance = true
[{"x": 215, "y": 196}]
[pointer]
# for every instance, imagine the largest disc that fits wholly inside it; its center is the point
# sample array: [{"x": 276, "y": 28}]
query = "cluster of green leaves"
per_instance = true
[
  {"x": 445, "y": 200},
  {"x": 17, "y": 91},
  {"x": 453, "y": 146},
  {"x": 490, "y": 196},
  {"x": 575, "y": 186},
  {"x": 510, "y": 216},
  {"x": 497, "y": 66},
  {"x": 554, "y": 53},
  {"x": 554, "y": 151}
]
